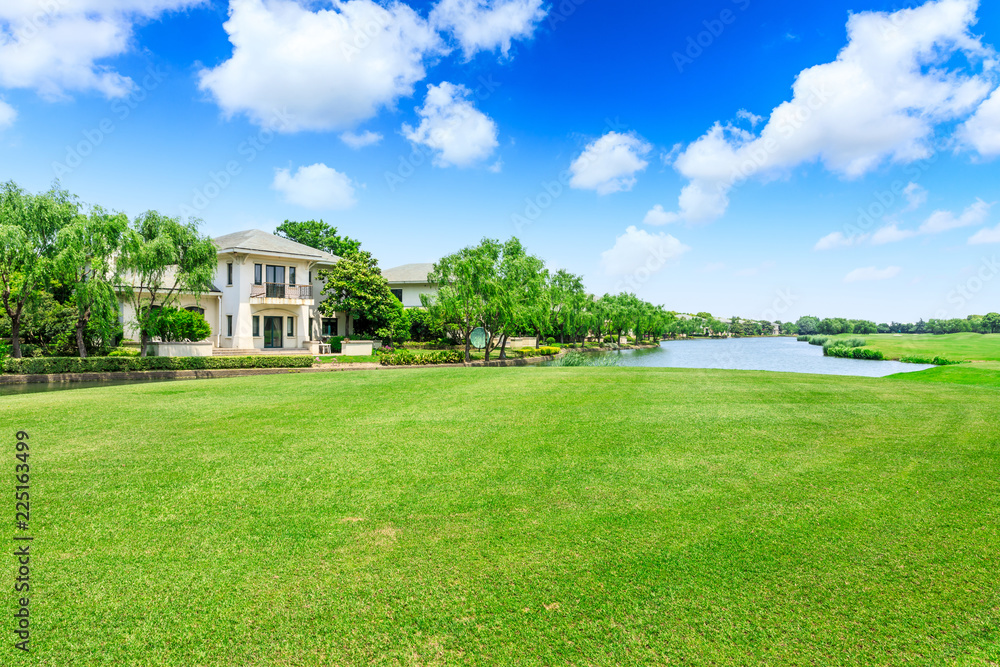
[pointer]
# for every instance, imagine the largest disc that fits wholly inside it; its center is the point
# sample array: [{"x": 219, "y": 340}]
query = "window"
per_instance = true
[
  {"x": 291, "y": 327},
  {"x": 398, "y": 293},
  {"x": 256, "y": 326},
  {"x": 329, "y": 327},
  {"x": 229, "y": 326},
  {"x": 310, "y": 276},
  {"x": 229, "y": 273},
  {"x": 291, "y": 276},
  {"x": 258, "y": 274},
  {"x": 196, "y": 309}
]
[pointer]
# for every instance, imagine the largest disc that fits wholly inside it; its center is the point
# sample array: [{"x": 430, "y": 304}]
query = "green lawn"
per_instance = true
[
  {"x": 957, "y": 347},
  {"x": 519, "y": 516}
]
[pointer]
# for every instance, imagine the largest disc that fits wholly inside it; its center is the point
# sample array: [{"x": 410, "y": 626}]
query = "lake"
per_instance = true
[
  {"x": 785, "y": 355},
  {"x": 40, "y": 387}
]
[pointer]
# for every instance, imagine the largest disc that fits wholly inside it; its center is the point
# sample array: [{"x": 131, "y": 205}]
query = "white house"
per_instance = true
[
  {"x": 265, "y": 295},
  {"x": 409, "y": 281}
]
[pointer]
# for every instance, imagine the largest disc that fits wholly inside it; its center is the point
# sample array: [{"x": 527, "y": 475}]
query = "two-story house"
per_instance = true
[{"x": 265, "y": 295}]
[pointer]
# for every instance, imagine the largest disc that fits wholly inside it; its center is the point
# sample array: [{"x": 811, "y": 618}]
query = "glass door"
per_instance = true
[
  {"x": 275, "y": 281},
  {"x": 272, "y": 332}
]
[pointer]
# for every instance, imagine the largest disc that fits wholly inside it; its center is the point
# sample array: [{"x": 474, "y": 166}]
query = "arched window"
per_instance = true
[{"x": 196, "y": 309}]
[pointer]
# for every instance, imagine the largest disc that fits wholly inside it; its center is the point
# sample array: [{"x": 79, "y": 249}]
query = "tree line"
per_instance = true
[
  {"x": 63, "y": 266},
  {"x": 984, "y": 324}
]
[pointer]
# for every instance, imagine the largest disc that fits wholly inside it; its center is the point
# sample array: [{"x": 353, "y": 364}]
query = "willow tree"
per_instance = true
[
  {"x": 87, "y": 249},
  {"x": 161, "y": 259},
  {"x": 462, "y": 281},
  {"x": 29, "y": 225}
]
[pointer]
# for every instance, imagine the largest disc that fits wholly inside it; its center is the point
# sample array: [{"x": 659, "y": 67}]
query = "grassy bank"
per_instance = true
[
  {"x": 532, "y": 516},
  {"x": 957, "y": 347}
]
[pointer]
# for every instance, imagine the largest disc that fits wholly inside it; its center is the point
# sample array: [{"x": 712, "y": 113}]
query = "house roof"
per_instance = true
[
  {"x": 408, "y": 273},
  {"x": 257, "y": 241}
]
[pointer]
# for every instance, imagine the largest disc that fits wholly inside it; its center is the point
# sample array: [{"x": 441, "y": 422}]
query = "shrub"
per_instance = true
[
  {"x": 818, "y": 340},
  {"x": 547, "y": 350},
  {"x": 609, "y": 339},
  {"x": 844, "y": 342},
  {"x": 844, "y": 352},
  {"x": 803, "y": 339},
  {"x": 400, "y": 357},
  {"x": 935, "y": 361},
  {"x": 124, "y": 352},
  {"x": 550, "y": 341},
  {"x": 581, "y": 359},
  {"x": 176, "y": 325},
  {"x": 46, "y": 365},
  {"x": 335, "y": 342}
]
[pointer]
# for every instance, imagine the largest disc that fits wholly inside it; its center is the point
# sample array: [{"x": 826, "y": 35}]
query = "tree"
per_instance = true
[
  {"x": 29, "y": 225},
  {"x": 462, "y": 280},
  {"x": 808, "y": 325},
  {"x": 162, "y": 258},
  {"x": 85, "y": 262},
  {"x": 319, "y": 235},
  {"x": 355, "y": 285},
  {"x": 991, "y": 323}
]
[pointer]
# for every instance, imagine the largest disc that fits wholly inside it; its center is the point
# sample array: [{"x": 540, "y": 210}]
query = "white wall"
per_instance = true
[{"x": 412, "y": 292}]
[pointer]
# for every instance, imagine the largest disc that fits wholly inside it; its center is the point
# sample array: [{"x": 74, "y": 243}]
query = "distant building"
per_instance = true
[{"x": 409, "y": 281}]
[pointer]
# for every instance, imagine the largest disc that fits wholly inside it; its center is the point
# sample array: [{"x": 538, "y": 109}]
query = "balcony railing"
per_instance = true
[{"x": 280, "y": 291}]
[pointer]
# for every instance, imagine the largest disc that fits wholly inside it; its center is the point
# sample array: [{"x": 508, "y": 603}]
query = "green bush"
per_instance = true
[
  {"x": 177, "y": 324},
  {"x": 401, "y": 357},
  {"x": 935, "y": 361},
  {"x": 335, "y": 342},
  {"x": 124, "y": 352},
  {"x": 580, "y": 359},
  {"x": 844, "y": 342},
  {"x": 46, "y": 365},
  {"x": 844, "y": 352},
  {"x": 818, "y": 340},
  {"x": 609, "y": 339},
  {"x": 550, "y": 341},
  {"x": 803, "y": 339}
]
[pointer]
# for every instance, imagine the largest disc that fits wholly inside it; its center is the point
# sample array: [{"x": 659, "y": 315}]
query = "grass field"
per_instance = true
[
  {"x": 957, "y": 347},
  {"x": 520, "y": 516}
]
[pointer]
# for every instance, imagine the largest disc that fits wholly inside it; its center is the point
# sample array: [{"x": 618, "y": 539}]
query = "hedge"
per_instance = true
[
  {"x": 47, "y": 365},
  {"x": 854, "y": 353},
  {"x": 407, "y": 358},
  {"x": 935, "y": 361}
]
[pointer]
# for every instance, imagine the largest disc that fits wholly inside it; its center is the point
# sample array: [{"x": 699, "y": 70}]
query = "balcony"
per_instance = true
[{"x": 281, "y": 293}]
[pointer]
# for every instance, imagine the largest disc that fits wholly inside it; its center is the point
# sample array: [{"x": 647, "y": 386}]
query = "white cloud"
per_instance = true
[
  {"x": 986, "y": 236},
  {"x": 943, "y": 221},
  {"x": 638, "y": 250},
  {"x": 317, "y": 187},
  {"x": 839, "y": 240},
  {"x": 751, "y": 118},
  {"x": 892, "y": 234},
  {"x": 8, "y": 115},
  {"x": 982, "y": 131},
  {"x": 916, "y": 197},
  {"x": 657, "y": 216},
  {"x": 359, "y": 141},
  {"x": 328, "y": 69},
  {"x": 54, "y": 47},
  {"x": 880, "y": 100},
  {"x": 610, "y": 163},
  {"x": 451, "y": 125},
  {"x": 484, "y": 25},
  {"x": 871, "y": 273},
  {"x": 496, "y": 167}
]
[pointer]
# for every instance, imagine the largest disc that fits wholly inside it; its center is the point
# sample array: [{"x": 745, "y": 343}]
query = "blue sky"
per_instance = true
[{"x": 752, "y": 158}]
